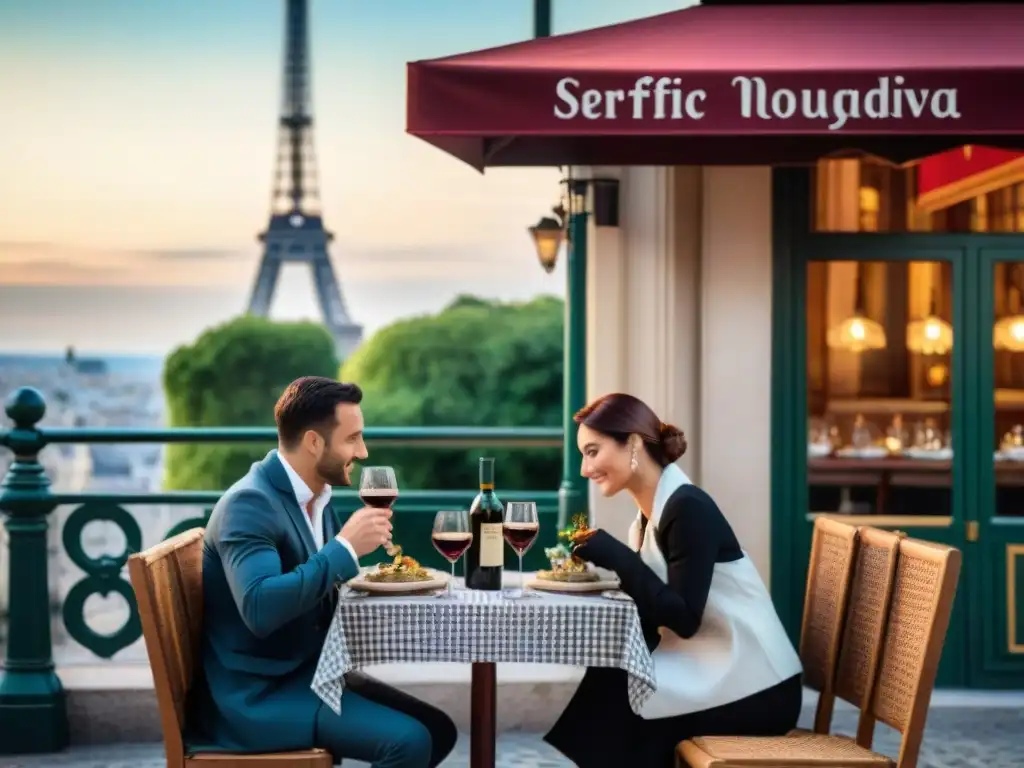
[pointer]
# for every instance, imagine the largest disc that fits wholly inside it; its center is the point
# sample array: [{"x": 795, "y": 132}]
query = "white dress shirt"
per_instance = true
[{"x": 315, "y": 516}]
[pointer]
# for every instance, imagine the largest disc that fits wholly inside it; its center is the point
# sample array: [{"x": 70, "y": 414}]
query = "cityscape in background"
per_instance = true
[
  {"x": 138, "y": 231},
  {"x": 110, "y": 391}
]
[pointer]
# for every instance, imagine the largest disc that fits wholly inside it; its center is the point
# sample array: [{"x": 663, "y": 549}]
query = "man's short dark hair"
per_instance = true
[{"x": 310, "y": 403}]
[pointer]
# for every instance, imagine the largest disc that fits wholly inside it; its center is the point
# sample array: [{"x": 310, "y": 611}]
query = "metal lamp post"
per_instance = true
[
  {"x": 548, "y": 235},
  {"x": 570, "y": 225},
  {"x": 572, "y": 493},
  {"x": 542, "y": 18}
]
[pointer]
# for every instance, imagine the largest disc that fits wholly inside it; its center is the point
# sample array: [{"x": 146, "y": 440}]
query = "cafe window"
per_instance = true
[
  {"x": 879, "y": 353},
  {"x": 1002, "y": 210},
  {"x": 879, "y": 371},
  {"x": 871, "y": 195},
  {"x": 1008, "y": 380}
]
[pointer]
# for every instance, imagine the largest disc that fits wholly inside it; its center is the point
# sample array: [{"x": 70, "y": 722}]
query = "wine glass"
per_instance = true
[
  {"x": 451, "y": 537},
  {"x": 378, "y": 487},
  {"x": 520, "y": 527}
]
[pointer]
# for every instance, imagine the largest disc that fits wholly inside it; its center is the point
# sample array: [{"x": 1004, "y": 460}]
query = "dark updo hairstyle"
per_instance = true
[{"x": 618, "y": 416}]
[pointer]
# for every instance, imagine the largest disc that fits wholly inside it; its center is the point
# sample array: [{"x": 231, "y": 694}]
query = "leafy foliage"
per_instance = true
[
  {"x": 476, "y": 363},
  {"x": 231, "y": 376}
]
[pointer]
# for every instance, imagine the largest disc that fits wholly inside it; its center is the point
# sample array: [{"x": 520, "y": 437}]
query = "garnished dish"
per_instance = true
[
  {"x": 565, "y": 567},
  {"x": 579, "y": 532},
  {"x": 571, "y": 571},
  {"x": 402, "y": 570}
]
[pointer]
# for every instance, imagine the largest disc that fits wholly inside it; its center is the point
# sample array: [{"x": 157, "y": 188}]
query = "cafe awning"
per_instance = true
[{"x": 734, "y": 85}]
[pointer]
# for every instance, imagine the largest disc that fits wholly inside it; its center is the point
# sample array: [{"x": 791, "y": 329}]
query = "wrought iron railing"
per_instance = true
[{"x": 30, "y": 695}]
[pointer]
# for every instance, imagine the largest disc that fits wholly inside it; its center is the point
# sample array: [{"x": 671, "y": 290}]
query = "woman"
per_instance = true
[{"x": 722, "y": 660}]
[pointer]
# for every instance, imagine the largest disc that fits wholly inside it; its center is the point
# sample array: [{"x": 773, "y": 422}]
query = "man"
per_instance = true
[{"x": 271, "y": 559}]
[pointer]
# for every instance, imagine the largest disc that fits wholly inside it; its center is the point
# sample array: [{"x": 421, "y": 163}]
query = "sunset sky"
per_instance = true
[{"x": 136, "y": 162}]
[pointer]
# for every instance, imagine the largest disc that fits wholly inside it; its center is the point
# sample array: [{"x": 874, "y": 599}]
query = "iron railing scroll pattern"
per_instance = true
[
  {"x": 33, "y": 712},
  {"x": 102, "y": 576}
]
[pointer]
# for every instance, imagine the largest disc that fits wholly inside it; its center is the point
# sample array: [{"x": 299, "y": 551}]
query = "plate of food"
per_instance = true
[
  {"x": 400, "y": 576},
  {"x": 567, "y": 574}
]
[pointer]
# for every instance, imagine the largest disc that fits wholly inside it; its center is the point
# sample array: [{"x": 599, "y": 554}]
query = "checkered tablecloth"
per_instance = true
[{"x": 484, "y": 626}]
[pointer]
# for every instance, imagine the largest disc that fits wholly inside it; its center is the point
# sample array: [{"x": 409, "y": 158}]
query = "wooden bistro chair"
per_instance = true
[
  {"x": 863, "y": 626},
  {"x": 168, "y": 584},
  {"x": 891, "y": 679},
  {"x": 829, "y": 577}
]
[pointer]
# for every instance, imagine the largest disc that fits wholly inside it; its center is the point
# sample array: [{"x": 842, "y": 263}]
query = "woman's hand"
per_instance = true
[{"x": 600, "y": 548}]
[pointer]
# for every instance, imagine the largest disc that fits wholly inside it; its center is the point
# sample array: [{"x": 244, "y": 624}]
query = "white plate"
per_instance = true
[
  {"x": 1014, "y": 453},
  {"x": 360, "y": 584},
  {"x": 818, "y": 450},
  {"x": 872, "y": 452},
  {"x": 942, "y": 454},
  {"x": 571, "y": 586}
]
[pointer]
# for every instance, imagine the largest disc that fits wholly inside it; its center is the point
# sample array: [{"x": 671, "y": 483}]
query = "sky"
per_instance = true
[{"x": 137, "y": 157}]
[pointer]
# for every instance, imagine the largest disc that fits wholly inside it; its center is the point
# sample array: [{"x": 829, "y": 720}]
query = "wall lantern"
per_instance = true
[{"x": 549, "y": 233}]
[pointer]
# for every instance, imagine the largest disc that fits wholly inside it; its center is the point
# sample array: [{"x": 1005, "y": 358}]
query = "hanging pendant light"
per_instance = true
[
  {"x": 930, "y": 335},
  {"x": 857, "y": 333},
  {"x": 1008, "y": 333}
]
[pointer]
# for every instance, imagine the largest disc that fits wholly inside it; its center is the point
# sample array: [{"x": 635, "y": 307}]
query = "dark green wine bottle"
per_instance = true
[{"x": 485, "y": 558}]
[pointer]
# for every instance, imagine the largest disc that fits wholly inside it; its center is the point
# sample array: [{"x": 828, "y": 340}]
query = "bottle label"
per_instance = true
[{"x": 492, "y": 545}]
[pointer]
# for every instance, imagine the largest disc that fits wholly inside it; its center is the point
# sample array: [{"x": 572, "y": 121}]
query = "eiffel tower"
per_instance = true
[{"x": 296, "y": 231}]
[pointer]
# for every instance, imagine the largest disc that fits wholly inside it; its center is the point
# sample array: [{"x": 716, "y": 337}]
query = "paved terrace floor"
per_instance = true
[{"x": 960, "y": 734}]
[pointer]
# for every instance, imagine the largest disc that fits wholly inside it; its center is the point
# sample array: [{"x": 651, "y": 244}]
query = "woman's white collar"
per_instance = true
[{"x": 672, "y": 479}]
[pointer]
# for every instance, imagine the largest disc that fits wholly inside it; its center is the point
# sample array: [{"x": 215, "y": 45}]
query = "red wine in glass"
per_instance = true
[
  {"x": 451, "y": 536},
  {"x": 451, "y": 544},
  {"x": 520, "y": 528},
  {"x": 379, "y": 498},
  {"x": 378, "y": 487},
  {"x": 520, "y": 536}
]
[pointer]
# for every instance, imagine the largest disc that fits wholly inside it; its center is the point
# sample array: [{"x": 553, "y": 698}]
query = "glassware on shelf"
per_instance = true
[
  {"x": 865, "y": 441},
  {"x": 1012, "y": 445},
  {"x": 931, "y": 442},
  {"x": 819, "y": 438},
  {"x": 930, "y": 437},
  {"x": 897, "y": 438},
  {"x": 860, "y": 438},
  {"x": 1014, "y": 438}
]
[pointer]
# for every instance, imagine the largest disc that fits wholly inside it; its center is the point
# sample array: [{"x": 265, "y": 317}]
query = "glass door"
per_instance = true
[
  {"x": 898, "y": 386},
  {"x": 886, "y": 439},
  {"x": 997, "y": 594}
]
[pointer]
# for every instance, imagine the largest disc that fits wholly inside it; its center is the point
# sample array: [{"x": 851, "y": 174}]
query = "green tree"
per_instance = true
[
  {"x": 231, "y": 376},
  {"x": 476, "y": 363}
]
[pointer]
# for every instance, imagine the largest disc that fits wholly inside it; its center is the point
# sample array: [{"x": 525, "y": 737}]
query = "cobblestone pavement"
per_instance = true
[{"x": 956, "y": 738}]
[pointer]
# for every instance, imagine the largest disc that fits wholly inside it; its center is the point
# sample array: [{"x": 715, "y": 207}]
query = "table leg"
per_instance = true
[
  {"x": 483, "y": 715},
  {"x": 882, "y": 493}
]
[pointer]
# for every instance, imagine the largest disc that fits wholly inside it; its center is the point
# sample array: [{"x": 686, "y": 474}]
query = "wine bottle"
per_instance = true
[{"x": 485, "y": 557}]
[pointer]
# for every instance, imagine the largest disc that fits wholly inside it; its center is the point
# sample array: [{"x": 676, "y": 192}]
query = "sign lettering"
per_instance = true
[{"x": 666, "y": 98}]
